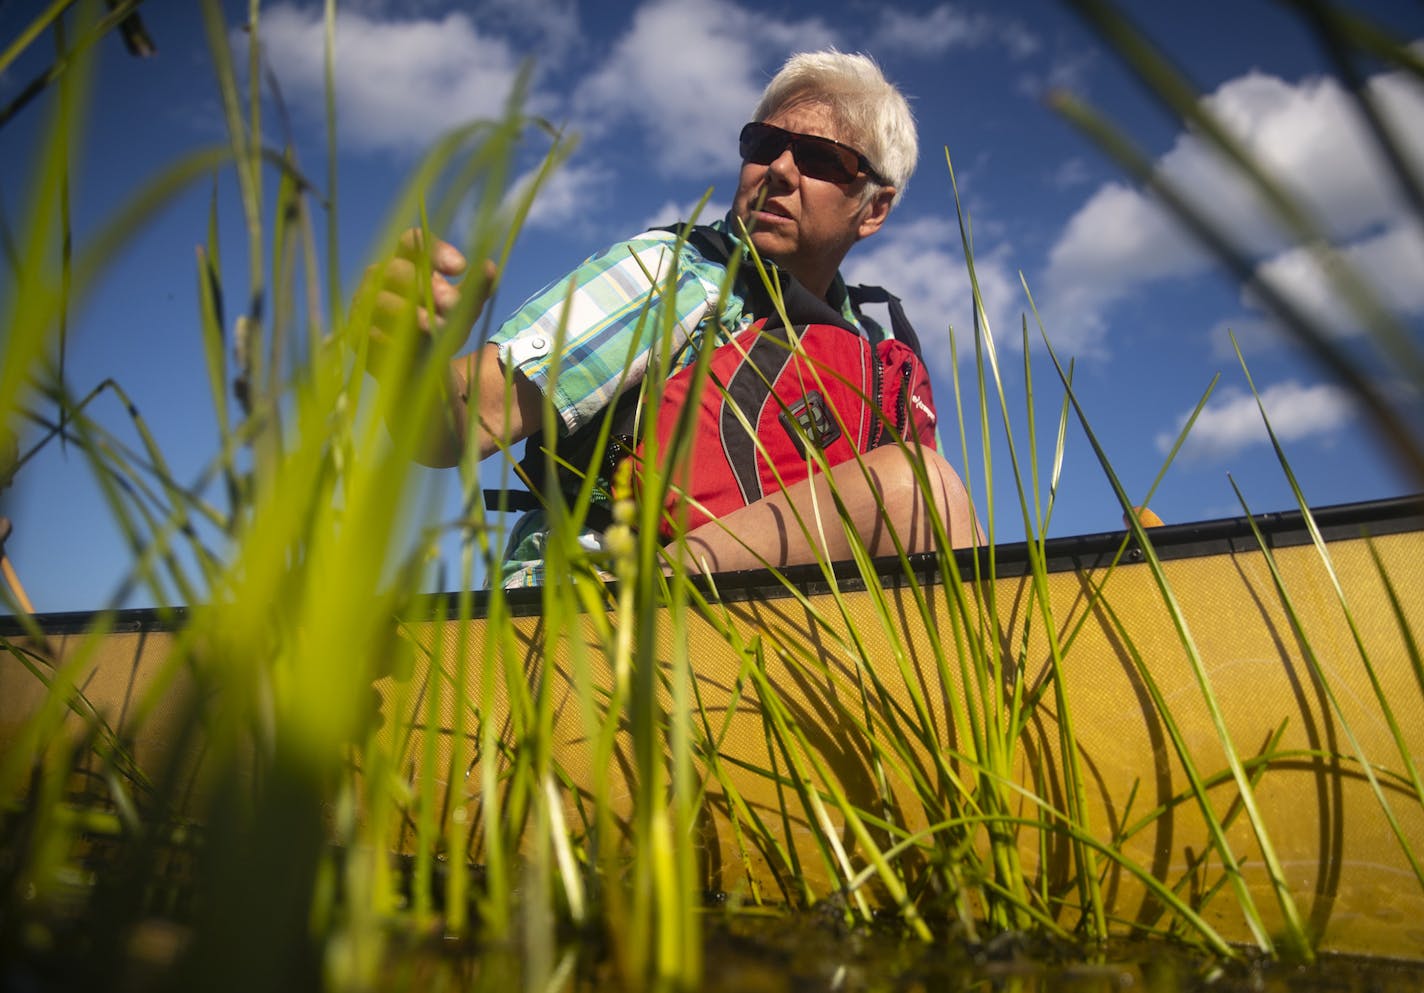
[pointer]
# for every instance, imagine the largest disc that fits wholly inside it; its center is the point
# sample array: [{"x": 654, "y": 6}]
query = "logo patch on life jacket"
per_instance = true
[
  {"x": 925, "y": 409},
  {"x": 811, "y": 421}
]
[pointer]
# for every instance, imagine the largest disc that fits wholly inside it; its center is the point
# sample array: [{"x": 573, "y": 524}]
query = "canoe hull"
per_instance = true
[{"x": 850, "y": 666}]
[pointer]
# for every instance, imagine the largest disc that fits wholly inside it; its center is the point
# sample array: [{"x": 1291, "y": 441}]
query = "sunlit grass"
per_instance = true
[{"x": 381, "y": 776}]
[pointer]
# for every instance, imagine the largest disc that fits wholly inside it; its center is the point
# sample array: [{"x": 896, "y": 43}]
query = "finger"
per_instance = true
[
  {"x": 491, "y": 274},
  {"x": 397, "y": 310},
  {"x": 444, "y": 294},
  {"x": 489, "y": 279},
  {"x": 402, "y": 277},
  {"x": 444, "y": 257}
]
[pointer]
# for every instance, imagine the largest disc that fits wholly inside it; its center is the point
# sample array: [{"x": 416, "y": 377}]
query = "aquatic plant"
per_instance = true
[{"x": 360, "y": 778}]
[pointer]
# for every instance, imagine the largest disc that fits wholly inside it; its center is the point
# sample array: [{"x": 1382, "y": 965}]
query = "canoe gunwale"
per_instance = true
[{"x": 1196, "y": 539}]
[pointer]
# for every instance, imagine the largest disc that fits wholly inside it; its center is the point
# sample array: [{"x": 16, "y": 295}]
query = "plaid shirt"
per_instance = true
[{"x": 610, "y": 310}]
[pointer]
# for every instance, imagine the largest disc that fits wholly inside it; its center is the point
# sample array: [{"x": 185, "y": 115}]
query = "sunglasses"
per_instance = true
[{"x": 819, "y": 158}]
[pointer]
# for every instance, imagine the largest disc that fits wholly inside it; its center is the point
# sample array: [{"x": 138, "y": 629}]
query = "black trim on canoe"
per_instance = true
[{"x": 1280, "y": 529}]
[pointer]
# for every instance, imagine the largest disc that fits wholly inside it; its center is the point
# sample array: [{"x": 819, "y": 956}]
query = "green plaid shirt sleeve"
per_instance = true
[{"x": 614, "y": 312}]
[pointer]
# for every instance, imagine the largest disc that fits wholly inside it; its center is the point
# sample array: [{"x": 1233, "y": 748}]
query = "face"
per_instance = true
[{"x": 806, "y": 225}]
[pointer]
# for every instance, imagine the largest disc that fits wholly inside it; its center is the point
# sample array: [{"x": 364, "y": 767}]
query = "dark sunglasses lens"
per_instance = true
[
  {"x": 816, "y": 157},
  {"x": 761, "y": 144},
  {"x": 820, "y": 160}
]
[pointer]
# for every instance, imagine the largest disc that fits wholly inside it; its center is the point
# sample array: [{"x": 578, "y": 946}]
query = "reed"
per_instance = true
[{"x": 363, "y": 778}]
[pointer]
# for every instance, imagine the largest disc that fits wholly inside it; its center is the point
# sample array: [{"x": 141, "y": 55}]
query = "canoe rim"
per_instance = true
[{"x": 1228, "y": 535}]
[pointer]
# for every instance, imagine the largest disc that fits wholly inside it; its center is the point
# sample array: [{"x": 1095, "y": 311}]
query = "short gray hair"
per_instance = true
[{"x": 873, "y": 115}]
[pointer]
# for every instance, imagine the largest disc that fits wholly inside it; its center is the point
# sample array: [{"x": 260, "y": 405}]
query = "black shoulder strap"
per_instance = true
[
  {"x": 713, "y": 244},
  {"x": 802, "y": 306},
  {"x": 900, "y": 325}
]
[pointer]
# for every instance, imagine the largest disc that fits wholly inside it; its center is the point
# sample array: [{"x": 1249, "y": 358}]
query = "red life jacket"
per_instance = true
[
  {"x": 837, "y": 389},
  {"x": 766, "y": 400}
]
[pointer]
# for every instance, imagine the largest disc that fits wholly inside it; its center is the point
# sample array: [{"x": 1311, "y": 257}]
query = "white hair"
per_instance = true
[{"x": 873, "y": 116}]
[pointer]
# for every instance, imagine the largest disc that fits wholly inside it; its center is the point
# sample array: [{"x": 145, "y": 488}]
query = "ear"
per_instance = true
[{"x": 875, "y": 212}]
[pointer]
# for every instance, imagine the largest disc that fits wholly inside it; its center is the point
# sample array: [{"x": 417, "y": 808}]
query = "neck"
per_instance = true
[
  {"x": 816, "y": 279},
  {"x": 819, "y": 287}
]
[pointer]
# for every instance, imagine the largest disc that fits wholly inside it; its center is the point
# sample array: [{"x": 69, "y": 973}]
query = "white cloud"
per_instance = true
[
  {"x": 549, "y": 27},
  {"x": 399, "y": 83},
  {"x": 1230, "y": 424},
  {"x": 921, "y": 262},
  {"x": 1119, "y": 225},
  {"x": 672, "y": 212},
  {"x": 563, "y": 199},
  {"x": 1019, "y": 39},
  {"x": 948, "y": 27},
  {"x": 931, "y": 33},
  {"x": 1070, "y": 71},
  {"x": 690, "y": 72},
  {"x": 1069, "y": 173},
  {"x": 1310, "y": 138},
  {"x": 1116, "y": 242},
  {"x": 385, "y": 8},
  {"x": 1389, "y": 264},
  {"x": 1253, "y": 333}
]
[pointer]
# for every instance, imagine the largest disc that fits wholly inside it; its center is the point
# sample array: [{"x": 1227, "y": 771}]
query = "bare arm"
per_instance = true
[
  {"x": 502, "y": 419},
  {"x": 767, "y": 532}
]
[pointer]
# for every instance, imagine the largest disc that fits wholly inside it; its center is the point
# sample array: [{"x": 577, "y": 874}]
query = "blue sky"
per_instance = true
[{"x": 656, "y": 92}]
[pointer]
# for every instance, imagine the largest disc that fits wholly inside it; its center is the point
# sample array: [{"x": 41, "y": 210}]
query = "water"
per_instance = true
[
  {"x": 810, "y": 954},
  {"x": 744, "y": 951}
]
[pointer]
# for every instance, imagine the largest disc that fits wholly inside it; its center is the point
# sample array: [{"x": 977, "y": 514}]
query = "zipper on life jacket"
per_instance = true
[
  {"x": 877, "y": 376},
  {"x": 902, "y": 412}
]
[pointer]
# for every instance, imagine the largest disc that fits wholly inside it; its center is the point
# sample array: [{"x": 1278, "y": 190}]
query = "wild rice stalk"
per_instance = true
[
  {"x": 294, "y": 654},
  {"x": 1386, "y": 711},
  {"x": 1295, "y": 932},
  {"x": 998, "y": 742},
  {"x": 1406, "y": 633}
]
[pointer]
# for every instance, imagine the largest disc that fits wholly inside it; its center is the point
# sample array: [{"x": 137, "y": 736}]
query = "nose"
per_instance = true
[{"x": 783, "y": 167}]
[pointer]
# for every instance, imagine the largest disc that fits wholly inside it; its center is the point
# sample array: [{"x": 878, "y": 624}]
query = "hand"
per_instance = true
[{"x": 401, "y": 294}]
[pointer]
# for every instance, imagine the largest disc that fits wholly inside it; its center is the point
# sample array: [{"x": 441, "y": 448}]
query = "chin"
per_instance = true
[{"x": 770, "y": 246}]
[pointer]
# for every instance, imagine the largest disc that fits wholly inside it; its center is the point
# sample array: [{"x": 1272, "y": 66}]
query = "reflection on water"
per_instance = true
[
  {"x": 810, "y": 954},
  {"x": 745, "y": 950}
]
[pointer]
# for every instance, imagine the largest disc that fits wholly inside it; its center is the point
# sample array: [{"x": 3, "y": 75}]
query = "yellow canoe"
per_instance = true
[{"x": 851, "y": 661}]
